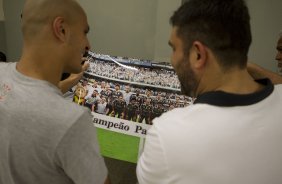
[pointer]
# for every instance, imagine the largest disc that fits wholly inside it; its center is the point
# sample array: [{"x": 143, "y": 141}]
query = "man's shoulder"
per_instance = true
[
  {"x": 4, "y": 67},
  {"x": 174, "y": 115},
  {"x": 69, "y": 110},
  {"x": 278, "y": 86},
  {"x": 49, "y": 107},
  {"x": 180, "y": 119},
  {"x": 278, "y": 91},
  {"x": 3, "y": 64},
  {"x": 62, "y": 117}
]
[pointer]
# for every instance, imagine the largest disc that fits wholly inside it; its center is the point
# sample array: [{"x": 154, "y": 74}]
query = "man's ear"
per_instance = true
[
  {"x": 59, "y": 29},
  {"x": 199, "y": 54}
]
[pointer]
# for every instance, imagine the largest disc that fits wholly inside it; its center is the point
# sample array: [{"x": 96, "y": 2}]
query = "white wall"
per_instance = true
[
  {"x": 137, "y": 28},
  {"x": 3, "y": 47},
  {"x": 266, "y": 22},
  {"x": 12, "y": 11},
  {"x": 124, "y": 28},
  {"x": 1, "y": 11},
  {"x": 164, "y": 12},
  {"x": 133, "y": 28}
]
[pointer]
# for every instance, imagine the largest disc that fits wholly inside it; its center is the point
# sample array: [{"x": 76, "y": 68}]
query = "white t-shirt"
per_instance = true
[
  {"x": 126, "y": 97},
  {"x": 221, "y": 139},
  {"x": 101, "y": 107}
]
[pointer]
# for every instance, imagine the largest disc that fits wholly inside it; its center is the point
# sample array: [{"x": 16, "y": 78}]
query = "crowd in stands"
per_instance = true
[{"x": 152, "y": 76}]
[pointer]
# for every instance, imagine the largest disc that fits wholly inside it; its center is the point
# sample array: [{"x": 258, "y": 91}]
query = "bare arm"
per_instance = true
[
  {"x": 257, "y": 72},
  {"x": 93, "y": 107},
  {"x": 72, "y": 80}
]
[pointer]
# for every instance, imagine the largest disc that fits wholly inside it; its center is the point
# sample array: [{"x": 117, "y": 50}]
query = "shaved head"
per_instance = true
[
  {"x": 54, "y": 38},
  {"x": 38, "y": 13}
]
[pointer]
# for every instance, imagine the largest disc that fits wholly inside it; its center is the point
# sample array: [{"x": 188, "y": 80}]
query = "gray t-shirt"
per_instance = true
[{"x": 43, "y": 137}]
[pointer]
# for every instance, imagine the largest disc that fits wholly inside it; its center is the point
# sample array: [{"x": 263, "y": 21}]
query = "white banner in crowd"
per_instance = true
[{"x": 120, "y": 125}]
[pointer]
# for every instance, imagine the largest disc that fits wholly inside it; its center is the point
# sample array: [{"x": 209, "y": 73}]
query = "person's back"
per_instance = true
[
  {"x": 208, "y": 143},
  {"x": 232, "y": 132},
  {"x": 45, "y": 138}
]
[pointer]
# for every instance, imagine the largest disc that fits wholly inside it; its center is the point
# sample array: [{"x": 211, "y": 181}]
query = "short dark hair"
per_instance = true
[
  {"x": 222, "y": 25},
  {"x": 3, "y": 57}
]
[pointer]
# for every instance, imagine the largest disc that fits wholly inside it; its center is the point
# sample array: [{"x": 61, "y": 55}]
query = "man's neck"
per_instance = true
[
  {"x": 234, "y": 81},
  {"x": 39, "y": 68}
]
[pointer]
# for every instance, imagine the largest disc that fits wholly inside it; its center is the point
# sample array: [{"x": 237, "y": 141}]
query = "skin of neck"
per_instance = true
[
  {"x": 234, "y": 80},
  {"x": 43, "y": 62}
]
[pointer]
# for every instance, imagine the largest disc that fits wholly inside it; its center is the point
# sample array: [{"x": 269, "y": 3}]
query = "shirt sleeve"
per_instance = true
[
  {"x": 152, "y": 166},
  {"x": 78, "y": 153}
]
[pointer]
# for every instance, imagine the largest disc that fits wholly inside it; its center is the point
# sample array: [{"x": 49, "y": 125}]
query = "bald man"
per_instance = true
[{"x": 44, "y": 138}]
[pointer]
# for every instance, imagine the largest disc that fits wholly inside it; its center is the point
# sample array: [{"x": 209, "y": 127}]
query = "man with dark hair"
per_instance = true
[
  {"x": 145, "y": 111},
  {"x": 91, "y": 102},
  {"x": 131, "y": 110},
  {"x": 55, "y": 142},
  {"x": 232, "y": 132},
  {"x": 139, "y": 98},
  {"x": 119, "y": 105},
  {"x": 107, "y": 92},
  {"x": 157, "y": 110},
  {"x": 116, "y": 93}
]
